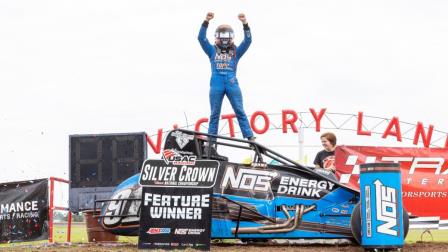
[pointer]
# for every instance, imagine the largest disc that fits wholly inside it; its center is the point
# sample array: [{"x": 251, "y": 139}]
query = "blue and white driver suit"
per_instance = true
[{"x": 223, "y": 80}]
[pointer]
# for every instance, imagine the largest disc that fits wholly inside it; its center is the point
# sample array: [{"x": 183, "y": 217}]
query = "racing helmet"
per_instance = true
[{"x": 224, "y": 36}]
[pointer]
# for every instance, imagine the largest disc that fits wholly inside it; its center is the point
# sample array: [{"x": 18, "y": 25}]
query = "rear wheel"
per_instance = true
[{"x": 355, "y": 222}]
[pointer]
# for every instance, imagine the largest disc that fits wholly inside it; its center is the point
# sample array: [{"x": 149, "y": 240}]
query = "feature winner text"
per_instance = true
[{"x": 177, "y": 207}]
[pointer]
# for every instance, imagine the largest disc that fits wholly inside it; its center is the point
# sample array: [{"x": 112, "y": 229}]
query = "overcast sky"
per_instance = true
[{"x": 91, "y": 66}]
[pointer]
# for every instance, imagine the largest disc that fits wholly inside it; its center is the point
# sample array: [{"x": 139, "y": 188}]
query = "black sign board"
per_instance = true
[
  {"x": 24, "y": 211},
  {"x": 176, "y": 209},
  {"x": 98, "y": 163}
]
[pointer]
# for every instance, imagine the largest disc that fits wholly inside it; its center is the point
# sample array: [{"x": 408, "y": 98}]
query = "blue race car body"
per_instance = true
[{"x": 250, "y": 201}]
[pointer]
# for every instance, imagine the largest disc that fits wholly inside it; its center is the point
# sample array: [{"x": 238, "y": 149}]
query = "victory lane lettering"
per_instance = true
[{"x": 177, "y": 207}]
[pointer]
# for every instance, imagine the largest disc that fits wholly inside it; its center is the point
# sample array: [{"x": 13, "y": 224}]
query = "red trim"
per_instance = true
[
  {"x": 69, "y": 226},
  {"x": 61, "y": 208},
  {"x": 53, "y": 207},
  {"x": 120, "y": 227},
  {"x": 60, "y": 180}
]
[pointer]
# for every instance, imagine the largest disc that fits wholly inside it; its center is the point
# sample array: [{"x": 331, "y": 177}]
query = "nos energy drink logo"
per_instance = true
[{"x": 386, "y": 209}]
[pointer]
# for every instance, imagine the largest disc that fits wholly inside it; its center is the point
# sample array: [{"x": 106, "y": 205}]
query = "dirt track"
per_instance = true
[{"x": 427, "y": 247}]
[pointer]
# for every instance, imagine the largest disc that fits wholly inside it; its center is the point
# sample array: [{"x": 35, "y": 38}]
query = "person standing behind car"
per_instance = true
[{"x": 326, "y": 158}]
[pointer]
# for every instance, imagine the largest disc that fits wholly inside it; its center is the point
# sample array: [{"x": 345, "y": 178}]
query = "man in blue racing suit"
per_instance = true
[{"x": 224, "y": 57}]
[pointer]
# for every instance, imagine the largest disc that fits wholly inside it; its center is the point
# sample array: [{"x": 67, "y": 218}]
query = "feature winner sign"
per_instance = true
[{"x": 177, "y": 208}]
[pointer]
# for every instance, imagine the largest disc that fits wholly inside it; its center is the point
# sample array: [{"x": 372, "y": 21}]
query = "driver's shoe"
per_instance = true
[{"x": 213, "y": 154}]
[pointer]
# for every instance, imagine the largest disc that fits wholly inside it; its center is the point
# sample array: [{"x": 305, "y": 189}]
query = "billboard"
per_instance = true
[
  {"x": 424, "y": 174},
  {"x": 24, "y": 211}
]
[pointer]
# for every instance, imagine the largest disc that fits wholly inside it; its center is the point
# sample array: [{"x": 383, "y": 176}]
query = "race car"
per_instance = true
[{"x": 272, "y": 197}]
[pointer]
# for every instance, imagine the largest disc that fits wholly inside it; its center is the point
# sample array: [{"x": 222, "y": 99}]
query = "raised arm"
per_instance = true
[
  {"x": 242, "y": 48},
  {"x": 202, "y": 37}
]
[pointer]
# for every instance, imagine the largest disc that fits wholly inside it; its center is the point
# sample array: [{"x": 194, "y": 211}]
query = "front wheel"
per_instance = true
[{"x": 355, "y": 222}]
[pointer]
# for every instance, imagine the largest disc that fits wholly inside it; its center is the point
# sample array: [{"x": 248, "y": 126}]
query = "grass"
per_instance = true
[
  {"x": 416, "y": 235},
  {"x": 79, "y": 235}
]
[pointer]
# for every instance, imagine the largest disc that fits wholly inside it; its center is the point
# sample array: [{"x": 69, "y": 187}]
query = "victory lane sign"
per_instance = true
[{"x": 176, "y": 209}]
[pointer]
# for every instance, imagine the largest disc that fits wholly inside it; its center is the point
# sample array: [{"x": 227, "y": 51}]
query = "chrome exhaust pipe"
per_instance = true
[
  {"x": 297, "y": 219},
  {"x": 252, "y": 230},
  {"x": 279, "y": 228}
]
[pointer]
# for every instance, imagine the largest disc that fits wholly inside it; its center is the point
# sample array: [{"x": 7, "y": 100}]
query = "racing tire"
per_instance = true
[{"x": 355, "y": 223}]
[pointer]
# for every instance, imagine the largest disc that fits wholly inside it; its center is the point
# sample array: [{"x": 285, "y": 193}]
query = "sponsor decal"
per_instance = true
[
  {"x": 248, "y": 179},
  {"x": 189, "y": 231},
  {"x": 304, "y": 188},
  {"x": 323, "y": 171},
  {"x": 223, "y": 60},
  {"x": 386, "y": 208},
  {"x": 123, "y": 207},
  {"x": 182, "y": 139},
  {"x": 259, "y": 165},
  {"x": 152, "y": 231},
  {"x": 368, "y": 211},
  {"x": 430, "y": 165},
  {"x": 175, "y": 158}
]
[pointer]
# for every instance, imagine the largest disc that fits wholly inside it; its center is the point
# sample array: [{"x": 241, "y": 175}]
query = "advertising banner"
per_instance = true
[
  {"x": 424, "y": 175},
  {"x": 24, "y": 211}
]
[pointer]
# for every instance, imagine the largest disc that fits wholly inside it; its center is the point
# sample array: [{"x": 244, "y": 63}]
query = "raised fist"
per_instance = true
[
  {"x": 242, "y": 18},
  {"x": 209, "y": 16}
]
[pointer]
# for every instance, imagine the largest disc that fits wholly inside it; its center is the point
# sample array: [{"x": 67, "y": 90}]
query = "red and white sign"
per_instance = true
[{"x": 424, "y": 173}]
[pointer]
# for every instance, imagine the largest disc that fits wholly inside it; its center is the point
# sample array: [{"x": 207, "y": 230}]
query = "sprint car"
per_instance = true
[{"x": 272, "y": 197}]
